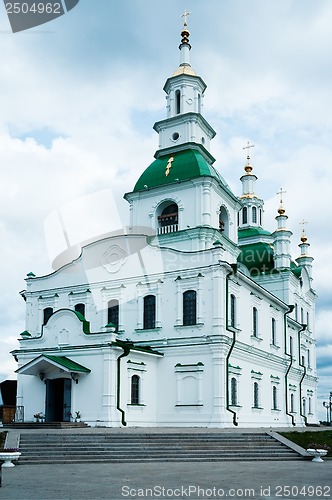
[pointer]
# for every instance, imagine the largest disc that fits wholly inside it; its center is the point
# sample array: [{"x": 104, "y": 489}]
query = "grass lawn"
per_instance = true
[{"x": 311, "y": 439}]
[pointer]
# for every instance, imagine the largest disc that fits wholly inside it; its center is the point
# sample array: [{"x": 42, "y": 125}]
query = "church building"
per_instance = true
[{"x": 193, "y": 316}]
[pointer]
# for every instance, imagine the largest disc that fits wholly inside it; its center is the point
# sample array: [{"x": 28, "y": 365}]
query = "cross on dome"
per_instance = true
[
  {"x": 248, "y": 146},
  {"x": 185, "y": 15},
  {"x": 304, "y": 238},
  {"x": 281, "y": 209}
]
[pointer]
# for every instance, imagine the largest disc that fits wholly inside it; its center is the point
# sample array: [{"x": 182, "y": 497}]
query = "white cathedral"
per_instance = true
[{"x": 193, "y": 316}]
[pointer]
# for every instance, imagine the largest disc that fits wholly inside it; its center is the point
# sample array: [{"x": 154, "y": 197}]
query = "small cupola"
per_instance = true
[
  {"x": 282, "y": 236},
  {"x": 251, "y": 214},
  {"x": 305, "y": 260}
]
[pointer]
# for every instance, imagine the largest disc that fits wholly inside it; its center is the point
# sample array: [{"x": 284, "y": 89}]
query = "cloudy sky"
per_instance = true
[{"x": 79, "y": 97}]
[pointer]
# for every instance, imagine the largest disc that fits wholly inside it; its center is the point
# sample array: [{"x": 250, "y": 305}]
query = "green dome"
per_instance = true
[
  {"x": 179, "y": 166},
  {"x": 252, "y": 231},
  {"x": 257, "y": 257}
]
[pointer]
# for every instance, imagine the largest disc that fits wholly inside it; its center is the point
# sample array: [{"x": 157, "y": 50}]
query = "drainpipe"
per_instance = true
[
  {"x": 126, "y": 351},
  {"x": 290, "y": 309},
  {"x": 304, "y": 374},
  {"x": 233, "y": 331}
]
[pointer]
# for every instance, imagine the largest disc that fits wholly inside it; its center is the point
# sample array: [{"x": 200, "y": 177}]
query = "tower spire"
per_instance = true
[
  {"x": 252, "y": 211},
  {"x": 185, "y": 46},
  {"x": 282, "y": 235},
  {"x": 305, "y": 259}
]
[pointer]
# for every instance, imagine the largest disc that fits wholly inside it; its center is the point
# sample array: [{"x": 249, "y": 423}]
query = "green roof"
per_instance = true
[
  {"x": 257, "y": 257},
  {"x": 67, "y": 363},
  {"x": 252, "y": 231},
  {"x": 86, "y": 324},
  {"x": 188, "y": 164}
]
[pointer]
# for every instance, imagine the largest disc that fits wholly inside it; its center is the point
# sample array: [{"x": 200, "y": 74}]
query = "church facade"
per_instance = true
[{"x": 194, "y": 315}]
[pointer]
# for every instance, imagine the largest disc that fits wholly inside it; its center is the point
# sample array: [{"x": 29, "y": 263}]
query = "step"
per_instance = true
[{"x": 150, "y": 447}]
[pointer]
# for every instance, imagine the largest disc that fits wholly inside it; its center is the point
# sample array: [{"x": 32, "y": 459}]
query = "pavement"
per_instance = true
[
  {"x": 260, "y": 480},
  {"x": 256, "y": 480}
]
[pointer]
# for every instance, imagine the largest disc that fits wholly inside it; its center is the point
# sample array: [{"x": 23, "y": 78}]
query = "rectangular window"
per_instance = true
[
  {"x": 274, "y": 332},
  {"x": 149, "y": 313},
  {"x": 256, "y": 395},
  {"x": 255, "y": 322},
  {"x": 233, "y": 391},
  {"x": 113, "y": 313},
  {"x": 233, "y": 310},
  {"x": 189, "y": 307}
]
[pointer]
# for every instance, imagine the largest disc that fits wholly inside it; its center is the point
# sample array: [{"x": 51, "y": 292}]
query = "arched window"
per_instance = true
[
  {"x": 292, "y": 403},
  {"x": 224, "y": 221},
  {"x": 254, "y": 215},
  {"x": 168, "y": 219},
  {"x": 149, "y": 312},
  {"x": 177, "y": 102},
  {"x": 254, "y": 322},
  {"x": 295, "y": 312},
  {"x": 135, "y": 390},
  {"x": 291, "y": 346},
  {"x": 309, "y": 406},
  {"x": 233, "y": 391},
  {"x": 189, "y": 307},
  {"x": 113, "y": 313},
  {"x": 260, "y": 216},
  {"x": 80, "y": 308},
  {"x": 273, "y": 332},
  {"x": 274, "y": 398},
  {"x": 308, "y": 356},
  {"x": 256, "y": 395},
  {"x": 47, "y": 313},
  {"x": 302, "y": 361},
  {"x": 244, "y": 215},
  {"x": 233, "y": 311},
  {"x": 308, "y": 321},
  {"x": 304, "y": 407}
]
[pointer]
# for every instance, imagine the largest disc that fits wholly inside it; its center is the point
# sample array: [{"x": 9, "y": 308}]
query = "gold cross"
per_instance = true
[
  {"x": 169, "y": 166},
  {"x": 281, "y": 192},
  {"x": 248, "y": 147},
  {"x": 303, "y": 223},
  {"x": 185, "y": 15}
]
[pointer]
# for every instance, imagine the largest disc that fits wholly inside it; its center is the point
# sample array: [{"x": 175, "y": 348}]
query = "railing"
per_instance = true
[{"x": 168, "y": 229}]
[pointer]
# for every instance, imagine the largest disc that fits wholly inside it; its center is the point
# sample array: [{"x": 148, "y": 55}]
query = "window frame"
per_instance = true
[
  {"x": 135, "y": 382},
  {"x": 116, "y": 311},
  {"x": 149, "y": 312},
  {"x": 189, "y": 308}
]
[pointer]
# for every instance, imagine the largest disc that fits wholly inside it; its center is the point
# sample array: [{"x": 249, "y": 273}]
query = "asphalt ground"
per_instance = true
[{"x": 259, "y": 480}]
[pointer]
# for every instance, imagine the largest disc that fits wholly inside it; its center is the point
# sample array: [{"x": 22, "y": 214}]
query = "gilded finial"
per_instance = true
[
  {"x": 281, "y": 210},
  {"x": 185, "y": 32},
  {"x": 248, "y": 167},
  {"x": 185, "y": 15},
  {"x": 304, "y": 238}
]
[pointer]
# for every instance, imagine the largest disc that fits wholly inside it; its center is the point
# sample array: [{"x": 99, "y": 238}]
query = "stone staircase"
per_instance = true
[{"x": 57, "y": 448}]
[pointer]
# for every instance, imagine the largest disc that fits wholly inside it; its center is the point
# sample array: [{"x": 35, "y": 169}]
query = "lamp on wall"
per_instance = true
[{"x": 42, "y": 376}]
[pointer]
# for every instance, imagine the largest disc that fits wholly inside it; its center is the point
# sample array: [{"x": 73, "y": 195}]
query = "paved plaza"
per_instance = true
[{"x": 257, "y": 480}]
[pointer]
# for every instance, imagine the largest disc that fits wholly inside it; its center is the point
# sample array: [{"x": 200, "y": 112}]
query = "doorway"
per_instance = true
[{"x": 58, "y": 400}]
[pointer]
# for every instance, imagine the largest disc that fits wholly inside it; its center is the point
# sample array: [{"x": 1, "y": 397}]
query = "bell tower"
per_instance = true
[{"x": 184, "y": 125}]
